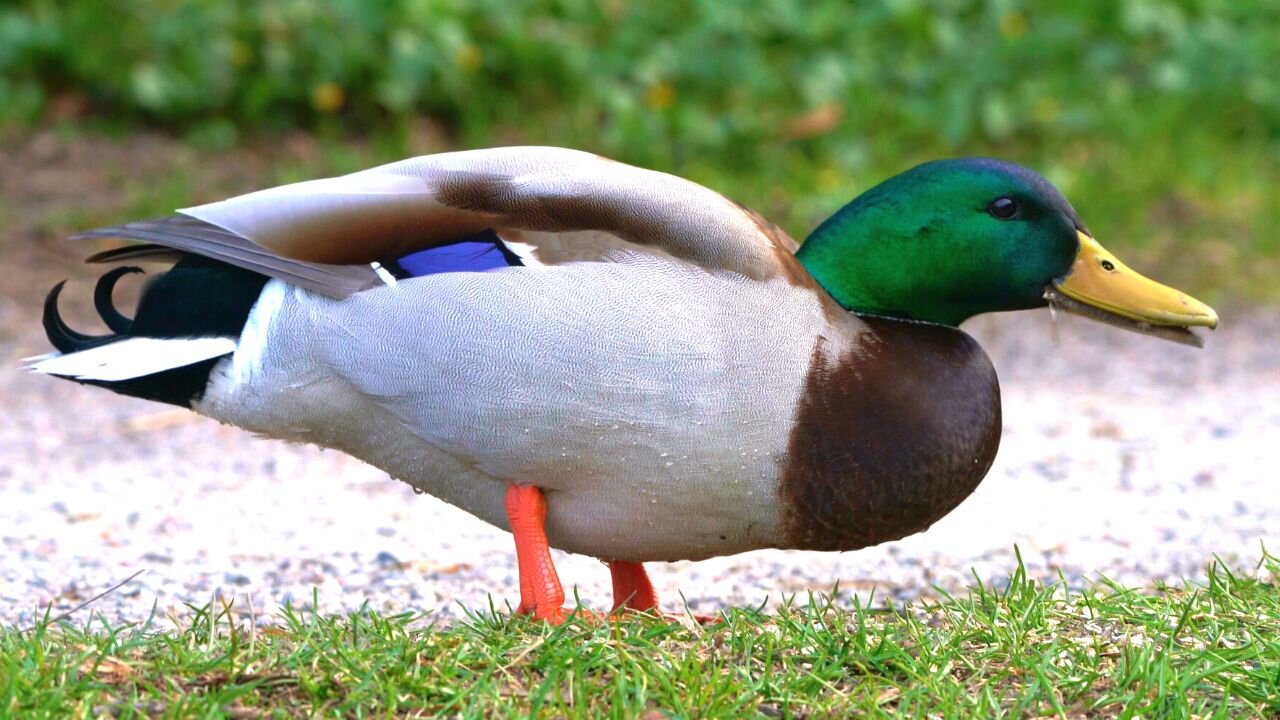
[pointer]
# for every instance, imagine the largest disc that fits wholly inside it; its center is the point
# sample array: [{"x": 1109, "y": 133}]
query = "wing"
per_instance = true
[
  {"x": 192, "y": 235},
  {"x": 549, "y": 205}
]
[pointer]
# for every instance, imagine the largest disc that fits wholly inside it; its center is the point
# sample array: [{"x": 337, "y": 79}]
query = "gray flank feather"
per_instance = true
[
  {"x": 145, "y": 252},
  {"x": 191, "y": 235}
]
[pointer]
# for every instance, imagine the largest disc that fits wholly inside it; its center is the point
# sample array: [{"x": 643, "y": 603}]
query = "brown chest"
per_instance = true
[{"x": 889, "y": 436}]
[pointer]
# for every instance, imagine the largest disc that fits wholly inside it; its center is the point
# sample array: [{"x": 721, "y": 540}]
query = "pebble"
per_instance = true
[{"x": 1122, "y": 457}]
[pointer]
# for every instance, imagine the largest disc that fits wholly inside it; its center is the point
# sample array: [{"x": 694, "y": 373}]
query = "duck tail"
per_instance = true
[{"x": 187, "y": 320}]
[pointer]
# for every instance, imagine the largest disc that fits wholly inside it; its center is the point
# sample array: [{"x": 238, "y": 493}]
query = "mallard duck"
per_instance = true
[{"x": 611, "y": 360}]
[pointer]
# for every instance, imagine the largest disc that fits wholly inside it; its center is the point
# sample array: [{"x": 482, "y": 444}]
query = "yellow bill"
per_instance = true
[{"x": 1101, "y": 287}]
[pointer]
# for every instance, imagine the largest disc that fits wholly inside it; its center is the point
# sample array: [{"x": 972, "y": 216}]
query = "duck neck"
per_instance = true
[{"x": 888, "y": 269}]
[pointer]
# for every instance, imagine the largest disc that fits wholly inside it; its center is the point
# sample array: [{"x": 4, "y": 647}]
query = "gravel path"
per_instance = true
[{"x": 1121, "y": 455}]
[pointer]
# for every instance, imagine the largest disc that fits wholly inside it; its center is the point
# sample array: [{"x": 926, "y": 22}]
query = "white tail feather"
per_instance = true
[{"x": 133, "y": 357}]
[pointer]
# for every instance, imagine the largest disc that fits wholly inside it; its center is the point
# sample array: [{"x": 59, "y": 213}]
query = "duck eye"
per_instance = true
[
  {"x": 1108, "y": 265},
  {"x": 1003, "y": 208}
]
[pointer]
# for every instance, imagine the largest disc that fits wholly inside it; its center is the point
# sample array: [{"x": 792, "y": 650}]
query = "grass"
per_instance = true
[{"x": 1210, "y": 649}]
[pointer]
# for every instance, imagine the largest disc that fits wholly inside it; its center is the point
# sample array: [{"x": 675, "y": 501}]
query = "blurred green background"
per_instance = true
[{"x": 1160, "y": 119}]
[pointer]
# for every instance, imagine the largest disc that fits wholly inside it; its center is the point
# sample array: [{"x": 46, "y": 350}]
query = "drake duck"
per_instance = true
[{"x": 611, "y": 360}]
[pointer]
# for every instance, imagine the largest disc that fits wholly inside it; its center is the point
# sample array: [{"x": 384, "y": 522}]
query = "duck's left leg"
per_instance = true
[
  {"x": 631, "y": 587},
  {"x": 541, "y": 594},
  {"x": 633, "y": 591}
]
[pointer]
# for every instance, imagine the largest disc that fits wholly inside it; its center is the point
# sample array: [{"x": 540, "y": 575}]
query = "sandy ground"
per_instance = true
[{"x": 1122, "y": 456}]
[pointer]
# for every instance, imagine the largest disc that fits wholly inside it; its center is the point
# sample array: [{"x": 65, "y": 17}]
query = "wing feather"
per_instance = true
[
  {"x": 144, "y": 252},
  {"x": 191, "y": 235},
  {"x": 393, "y": 210}
]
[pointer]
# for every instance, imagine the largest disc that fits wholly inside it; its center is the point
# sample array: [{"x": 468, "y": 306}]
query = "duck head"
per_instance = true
[{"x": 955, "y": 238}]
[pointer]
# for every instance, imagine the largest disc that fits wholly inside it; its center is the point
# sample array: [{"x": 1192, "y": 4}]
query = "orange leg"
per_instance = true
[
  {"x": 540, "y": 592},
  {"x": 631, "y": 587},
  {"x": 633, "y": 591}
]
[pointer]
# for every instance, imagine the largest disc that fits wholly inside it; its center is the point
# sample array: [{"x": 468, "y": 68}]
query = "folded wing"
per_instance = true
[{"x": 549, "y": 204}]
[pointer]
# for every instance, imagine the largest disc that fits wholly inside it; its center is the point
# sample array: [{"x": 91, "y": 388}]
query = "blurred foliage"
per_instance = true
[{"x": 1159, "y": 118}]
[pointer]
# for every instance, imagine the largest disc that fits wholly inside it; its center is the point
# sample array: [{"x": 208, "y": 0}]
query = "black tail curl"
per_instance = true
[
  {"x": 118, "y": 323},
  {"x": 197, "y": 297},
  {"x": 66, "y": 340}
]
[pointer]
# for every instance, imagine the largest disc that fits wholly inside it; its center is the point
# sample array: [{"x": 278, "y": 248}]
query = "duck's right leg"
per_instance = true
[{"x": 541, "y": 594}]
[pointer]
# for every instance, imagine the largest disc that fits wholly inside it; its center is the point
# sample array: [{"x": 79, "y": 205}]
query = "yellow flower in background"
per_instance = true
[
  {"x": 660, "y": 96},
  {"x": 328, "y": 97},
  {"x": 240, "y": 53},
  {"x": 1046, "y": 110},
  {"x": 1013, "y": 25},
  {"x": 468, "y": 56},
  {"x": 829, "y": 179}
]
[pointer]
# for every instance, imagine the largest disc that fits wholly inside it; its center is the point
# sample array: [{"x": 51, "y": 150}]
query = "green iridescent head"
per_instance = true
[{"x": 954, "y": 238}]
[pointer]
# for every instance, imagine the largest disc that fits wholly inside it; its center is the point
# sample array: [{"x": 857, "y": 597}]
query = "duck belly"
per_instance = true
[{"x": 650, "y": 400}]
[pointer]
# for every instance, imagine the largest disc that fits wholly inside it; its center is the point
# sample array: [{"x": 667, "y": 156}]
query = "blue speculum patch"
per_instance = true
[{"x": 474, "y": 254}]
